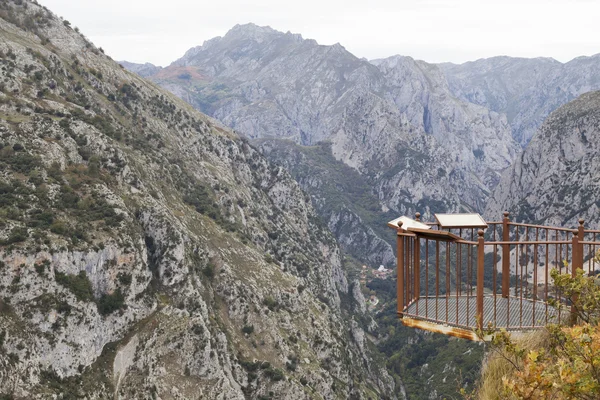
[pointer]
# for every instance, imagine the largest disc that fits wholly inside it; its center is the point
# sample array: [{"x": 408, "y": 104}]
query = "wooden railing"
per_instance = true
[{"x": 499, "y": 277}]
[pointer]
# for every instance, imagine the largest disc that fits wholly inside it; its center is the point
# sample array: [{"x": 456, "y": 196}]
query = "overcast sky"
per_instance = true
[{"x": 432, "y": 30}]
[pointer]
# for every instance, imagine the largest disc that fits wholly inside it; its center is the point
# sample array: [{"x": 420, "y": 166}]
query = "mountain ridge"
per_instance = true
[{"x": 457, "y": 74}]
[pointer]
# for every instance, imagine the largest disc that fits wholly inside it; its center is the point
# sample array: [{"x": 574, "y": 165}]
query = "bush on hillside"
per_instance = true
[
  {"x": 78, "y": 284},
  {"x": 566, "y": 365},
  {"x": 110, "y": 303}
]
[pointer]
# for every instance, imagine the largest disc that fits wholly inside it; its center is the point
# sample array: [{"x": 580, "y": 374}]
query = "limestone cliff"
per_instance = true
[{"x": 555, "y": 180}]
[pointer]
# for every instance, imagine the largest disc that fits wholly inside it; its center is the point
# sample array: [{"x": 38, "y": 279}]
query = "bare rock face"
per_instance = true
[
  {"x": 146, "y": 251},
  {"x": 555, "y": 180},
  {"x": 476, "y": 136},
  {"x": 525, "y": 90}
]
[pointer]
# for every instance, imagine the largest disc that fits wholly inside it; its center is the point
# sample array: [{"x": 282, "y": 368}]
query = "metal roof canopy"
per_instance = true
[
  {"x": 407, "y": 223},
  {"x": 455, "y": 221}
]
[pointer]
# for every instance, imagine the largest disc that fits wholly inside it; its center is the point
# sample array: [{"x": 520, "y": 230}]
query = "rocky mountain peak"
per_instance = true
[
  {"x": 258, "y": 33},
  {"x": 243, "y": 42},
  {"x": 144, "y": 70}
]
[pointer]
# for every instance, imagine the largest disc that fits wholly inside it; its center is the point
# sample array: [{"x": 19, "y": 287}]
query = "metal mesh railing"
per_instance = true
[{"x": 499, "y": 277}]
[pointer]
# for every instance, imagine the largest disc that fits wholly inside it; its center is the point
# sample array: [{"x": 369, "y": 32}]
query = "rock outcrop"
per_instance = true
[{"x": 555, "y": 180}]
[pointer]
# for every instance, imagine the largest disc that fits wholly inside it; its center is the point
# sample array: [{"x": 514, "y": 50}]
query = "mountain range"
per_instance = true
[{"x": 418, "y": 136}]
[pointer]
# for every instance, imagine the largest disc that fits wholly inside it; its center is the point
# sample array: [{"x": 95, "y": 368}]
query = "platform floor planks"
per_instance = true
[{"x": 510, "y": 313}]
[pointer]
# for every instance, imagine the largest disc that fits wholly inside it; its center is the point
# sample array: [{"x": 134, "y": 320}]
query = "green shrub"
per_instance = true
[
  {"x": 291, "y": 366},
  {"x": 63, "y": 308},
  {"x": 16, "y": 235},
  {"x": 40, "y": 269},
  {"x": 209, "y": 271},
  {"x": 40, "y": 219},
  {"x": 59, "y": 227},
  {"x": 78, "y": 284},
  {"x": 110, "y": 303},
  {"x": 250, "y": 366},
  {"x": 248, "y": 329},
  {"x": 271, "y": 303},
  {"x": 18, "y": 147},
  {"x": 275, "y": 374},
  {"x": 124, "y": 278},
  {"x": 19, "y": 161},
  {"x": 54, "y": 171}
]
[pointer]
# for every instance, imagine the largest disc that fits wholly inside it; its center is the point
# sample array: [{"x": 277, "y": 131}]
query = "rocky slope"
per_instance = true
[
  {"x": 342, "y": 194},
  {"x": 394, "y": 121},
  {"x": 525, "y": 90},
  {"x": 146, "y": 251},
  {"x": 555, "y": 180}
]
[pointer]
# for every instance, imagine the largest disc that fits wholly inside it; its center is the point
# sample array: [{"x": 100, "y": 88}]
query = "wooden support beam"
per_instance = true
[{"x": 505, "y": 257}]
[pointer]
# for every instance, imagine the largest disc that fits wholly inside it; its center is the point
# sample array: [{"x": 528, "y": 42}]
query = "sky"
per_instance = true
[{"x": 432, "y": 30}]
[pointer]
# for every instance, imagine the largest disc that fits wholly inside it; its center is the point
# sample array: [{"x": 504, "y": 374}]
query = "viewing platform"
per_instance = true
[{"x": 461, "y": 273}]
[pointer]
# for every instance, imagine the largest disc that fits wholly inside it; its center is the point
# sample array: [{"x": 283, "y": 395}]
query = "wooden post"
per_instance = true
[
  {"x": 577, "y": 261},
  {"x": 505, "y": 257},
  {"x": 480, "y": 259},
  {"x": 577, "y": 253},
  {"x": 400, "y": 277},
  {"x": 581, "y": 237},
  {"x": 417, "y": 277}
]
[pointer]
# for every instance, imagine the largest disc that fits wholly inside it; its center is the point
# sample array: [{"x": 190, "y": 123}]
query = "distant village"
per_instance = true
[{"x": 367, "y": 274}]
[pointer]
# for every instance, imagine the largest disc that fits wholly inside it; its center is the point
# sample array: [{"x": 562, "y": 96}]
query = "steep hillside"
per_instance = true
[
  {"x": 342, "y": 194},
  {"x": 526, "y": 90},
  {"x": 555, "y": 180},
  {"x": 146, "y": 251}
]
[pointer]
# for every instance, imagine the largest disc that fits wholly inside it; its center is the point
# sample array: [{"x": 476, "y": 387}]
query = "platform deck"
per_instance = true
[{"x": 509, "y": 313}]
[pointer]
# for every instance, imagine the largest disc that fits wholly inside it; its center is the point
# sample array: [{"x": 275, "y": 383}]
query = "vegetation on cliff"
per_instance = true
[{"x": 561, "y": 362}]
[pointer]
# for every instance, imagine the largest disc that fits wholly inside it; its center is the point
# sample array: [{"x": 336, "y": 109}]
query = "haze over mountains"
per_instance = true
[
  {"x": 425, "y": 137},
  {"x": 526, "y": 90}
]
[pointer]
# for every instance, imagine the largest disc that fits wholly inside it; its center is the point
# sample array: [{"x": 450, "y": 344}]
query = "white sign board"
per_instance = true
[
  {"x": 473, "y": 220},
  {"x": 407, "y": 223}
]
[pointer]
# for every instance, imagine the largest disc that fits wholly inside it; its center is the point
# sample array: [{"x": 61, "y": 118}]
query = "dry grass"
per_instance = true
[{"x": 496, "y": 365}]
